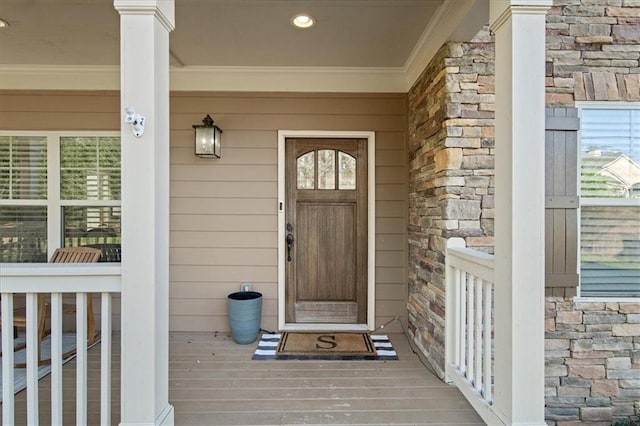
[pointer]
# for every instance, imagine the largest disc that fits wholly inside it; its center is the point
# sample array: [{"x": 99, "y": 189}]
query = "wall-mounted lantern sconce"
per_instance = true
[{"x": 208, "y": 138}]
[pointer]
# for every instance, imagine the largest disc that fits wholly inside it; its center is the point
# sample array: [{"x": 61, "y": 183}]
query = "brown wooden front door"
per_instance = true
[{"x": 326, "y": 230}]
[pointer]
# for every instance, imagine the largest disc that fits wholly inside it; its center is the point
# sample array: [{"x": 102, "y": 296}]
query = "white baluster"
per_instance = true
[
  {"x": 488, "y": 339},
  {"x": 457, "y": 276},
  {"x": 8, "y": 414},
  {"x": 105, "y": 360},
  {"x": 463, "y": 321},
  {"x": 470, "y": 326},
  {"x": 81, "y": 358},
  {"x": 477, "y": 381},
  {"x": 56, "y": 359},
  {"x": 32, "y": 359}
]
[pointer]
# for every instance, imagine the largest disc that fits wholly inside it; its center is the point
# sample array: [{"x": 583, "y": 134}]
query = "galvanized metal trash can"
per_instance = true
[{"x": 245, "y": 313}]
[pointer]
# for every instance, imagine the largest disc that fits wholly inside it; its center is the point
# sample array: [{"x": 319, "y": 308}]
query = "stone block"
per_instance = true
[
  {"x": 625, "y": 34},
  {"x": 475, "y": 162},
  {"x": 551, "y": 359},
  {"x": 589, "y": 306},
  {"x": 462, "y": 209},
  {"x": 463, "y": 142},
  {"x": 589, "y": 30},
  {"x": 565, "y": 401},
  {"x": 598, "y": 402},
  {"x": 562, "y": 413},
  {"x": 621, "y": 11},
  {"x": 623, "y": 410},
  {"x": 624, "y": 374},
  {"x": 585, "y": 361},
  {"x": 575, "y": 382},
  {"x": 569, "y": 317},
  {"x": 582, "y": 345},
  {"x": 469, "y": 224},
  {"x": 555, "y": 371},
  {"x": 602, "y": 388},
  {"x": 612, "y": 306},
  {"x": 629, "y": 308},
  {"x": 558, "y": 99},
  {"x": 626, "y": 329},
  {"x": 612, "y": 344},
  {"x": 549, "y": 324},
  {"x": 582, "y": 10},
  {"x": 630, "y": 393},
  {"x": 604, "y": 318},
  {"x": 480, "y": 241},
  {"x": 633, "y": 318},
  {"x": 551, "y": 381},
  {"x": 628, "y": 384},
  {"x": 573, "y": 391},
  {"x": 448, "y": 181},
  {"x": 555, "y": 344},
  {"x": 598, "y": 328},
  {"x": 587, "y": 371},
  {"x": 618, "y": 363},
  {"x": 594, "y": 39},
  {"x": 596, "y": 413}
]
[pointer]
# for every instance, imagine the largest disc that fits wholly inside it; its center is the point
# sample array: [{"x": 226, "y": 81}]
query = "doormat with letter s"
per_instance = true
[{"x": 324, "y": 346}]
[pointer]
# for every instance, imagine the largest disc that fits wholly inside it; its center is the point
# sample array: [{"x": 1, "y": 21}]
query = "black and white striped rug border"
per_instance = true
[{"x": 268, "y": 345}]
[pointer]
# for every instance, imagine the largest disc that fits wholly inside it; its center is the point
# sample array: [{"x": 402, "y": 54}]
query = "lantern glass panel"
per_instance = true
[{"x": 205, "y": 138}]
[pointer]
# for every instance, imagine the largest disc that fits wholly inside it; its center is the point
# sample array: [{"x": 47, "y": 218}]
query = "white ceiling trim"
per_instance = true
[
  {"x": 289, "y": 79},
  {"x": 284, "y": 79},
  {"x": 444, "y": 23}
]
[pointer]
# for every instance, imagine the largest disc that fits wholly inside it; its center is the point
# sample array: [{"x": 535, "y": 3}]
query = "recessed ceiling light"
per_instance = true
[
  {"x": 3, "y": 23},
  {"x": 303, "y": 21}
]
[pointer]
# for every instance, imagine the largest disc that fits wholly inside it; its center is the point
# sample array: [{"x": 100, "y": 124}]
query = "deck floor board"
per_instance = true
[{"x": 213, "y": 381}]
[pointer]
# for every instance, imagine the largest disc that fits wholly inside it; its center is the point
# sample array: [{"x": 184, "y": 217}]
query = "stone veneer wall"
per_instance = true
[
  {"x": 592, "y": 349},
  {"x": 592, "y": 356},
  {"x": 593, "y": 47},
  {"x": 451, "y": 184},
  {"x": 593, "y": 50}
]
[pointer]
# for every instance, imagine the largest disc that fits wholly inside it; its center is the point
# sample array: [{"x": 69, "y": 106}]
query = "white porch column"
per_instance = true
[
  {"x": 519, "y": 27},
  {"x": 144, "y": 87}
]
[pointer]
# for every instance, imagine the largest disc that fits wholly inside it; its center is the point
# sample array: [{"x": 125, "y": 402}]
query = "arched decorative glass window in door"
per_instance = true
[{"x": 326, "y": 169}]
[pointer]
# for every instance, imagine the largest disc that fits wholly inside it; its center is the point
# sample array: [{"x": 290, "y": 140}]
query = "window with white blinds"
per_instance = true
[
  {"x": 58, "y": 190},
  {"x": 610, "y": 202}
]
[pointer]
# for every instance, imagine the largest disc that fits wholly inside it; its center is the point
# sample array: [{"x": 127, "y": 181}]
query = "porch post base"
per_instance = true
[{"x": 166, "y": 418}]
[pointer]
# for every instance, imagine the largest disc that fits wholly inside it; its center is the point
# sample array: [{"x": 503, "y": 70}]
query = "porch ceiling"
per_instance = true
[
  {"x": 391, "y": 39},
  {"x": 369, "y": 33}
]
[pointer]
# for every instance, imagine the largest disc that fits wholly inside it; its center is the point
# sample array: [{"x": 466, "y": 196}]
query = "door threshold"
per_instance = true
[{"x": 324, "y": 327}]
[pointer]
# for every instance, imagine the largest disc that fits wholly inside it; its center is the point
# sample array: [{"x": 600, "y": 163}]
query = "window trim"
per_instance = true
[
  {"x": 594, "y": 202},
  {"x": 53, "y": 202}
]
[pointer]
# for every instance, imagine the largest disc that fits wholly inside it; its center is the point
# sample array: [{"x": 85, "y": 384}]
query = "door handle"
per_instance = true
[{"x": 290, "y": 241}]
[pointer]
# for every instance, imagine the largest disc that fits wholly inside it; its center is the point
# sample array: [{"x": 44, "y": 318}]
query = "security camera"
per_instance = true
[{"x": 136, "y": 121}]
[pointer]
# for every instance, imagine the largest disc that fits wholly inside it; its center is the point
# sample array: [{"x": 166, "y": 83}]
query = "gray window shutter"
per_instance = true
[{"x": 561, "y": 204}]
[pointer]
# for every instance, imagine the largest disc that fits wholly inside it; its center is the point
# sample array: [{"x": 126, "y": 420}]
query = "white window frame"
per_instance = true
[
  {"x": 589, "y": 202},
  {"x": 53, "y": 202}
]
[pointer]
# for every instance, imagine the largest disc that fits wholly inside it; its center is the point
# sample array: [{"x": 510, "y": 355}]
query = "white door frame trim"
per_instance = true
[{"x": 371, "y": 232}]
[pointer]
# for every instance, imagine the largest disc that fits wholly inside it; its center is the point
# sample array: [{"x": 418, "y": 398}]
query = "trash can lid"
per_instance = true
[{"x": 245, "y": 295}]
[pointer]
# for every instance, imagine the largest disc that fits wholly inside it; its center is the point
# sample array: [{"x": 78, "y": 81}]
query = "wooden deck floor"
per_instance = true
[{"x": 213, "y": 381}]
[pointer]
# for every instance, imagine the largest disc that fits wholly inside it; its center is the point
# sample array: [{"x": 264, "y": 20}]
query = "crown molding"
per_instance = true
[
  {"x": 288, "y": 79},
  {"x": 241, "y": 79},
  {"x": 163, "y": 10},
  {"x": 444, "y": 23}
]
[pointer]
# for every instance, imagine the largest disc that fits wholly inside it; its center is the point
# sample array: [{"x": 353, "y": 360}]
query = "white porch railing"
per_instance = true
[
  {"x": 469, "y": 326},
  {"x": 32, "y": 280}
]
